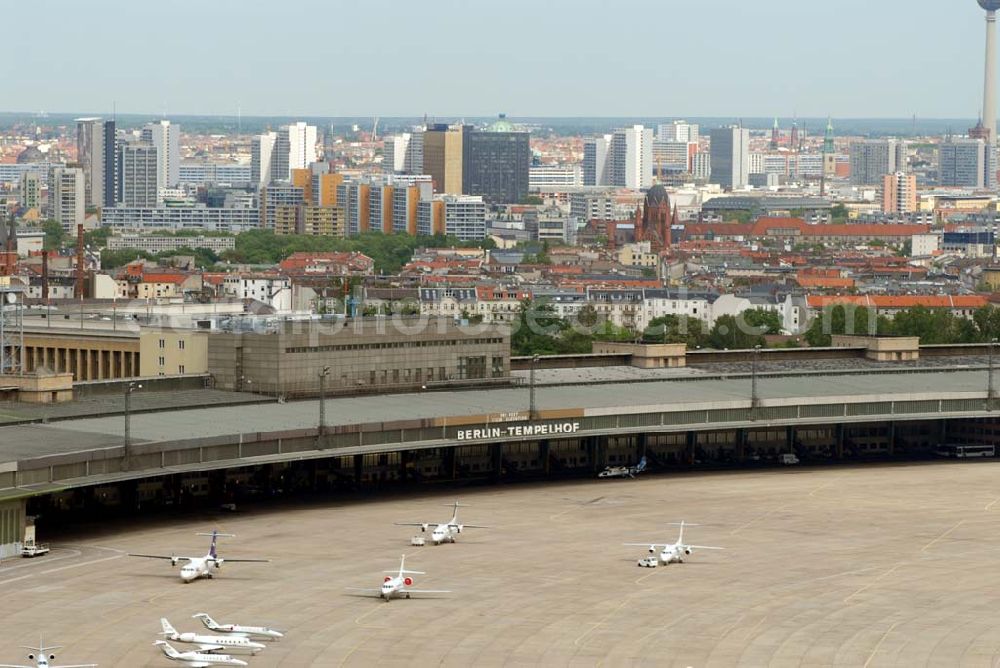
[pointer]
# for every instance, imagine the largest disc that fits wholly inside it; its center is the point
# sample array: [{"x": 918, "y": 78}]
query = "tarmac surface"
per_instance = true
[{"x": 861, "y": 566}]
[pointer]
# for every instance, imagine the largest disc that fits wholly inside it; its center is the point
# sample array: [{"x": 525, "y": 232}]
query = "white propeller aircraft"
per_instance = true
[
  {"x": 445, "y": 531},
  {"x": 40, "y": 655},
  {"x": 398, "y": 584},
  {"x": 208, "y": 643},
  {"x": 253, "y": 631},
  {"x": 201, "y": 567},
  {"x": 675, "y": 552},
  {"x": 198, "y": 659}
]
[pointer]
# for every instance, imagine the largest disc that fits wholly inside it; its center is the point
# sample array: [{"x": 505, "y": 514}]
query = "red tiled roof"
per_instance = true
[{"x": 900, "y": 301}]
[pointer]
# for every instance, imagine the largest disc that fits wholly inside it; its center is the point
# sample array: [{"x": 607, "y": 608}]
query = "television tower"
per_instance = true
[{"x": 990, "y": 82}]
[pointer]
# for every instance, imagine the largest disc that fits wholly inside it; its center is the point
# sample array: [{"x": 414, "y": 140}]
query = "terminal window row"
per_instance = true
[{"x": 389, "y": 346}]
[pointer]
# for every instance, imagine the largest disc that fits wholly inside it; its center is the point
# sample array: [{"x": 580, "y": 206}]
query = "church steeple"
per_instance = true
[{"x": 828, "y": 137}]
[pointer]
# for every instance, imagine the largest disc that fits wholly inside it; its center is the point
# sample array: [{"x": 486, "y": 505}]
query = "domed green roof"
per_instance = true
[{"x": 502, "y": 125}]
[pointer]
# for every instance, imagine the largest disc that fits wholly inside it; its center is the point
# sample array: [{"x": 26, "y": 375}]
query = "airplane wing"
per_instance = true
[
  {"x": 227, "y": 560},
  {"x": 160, "y": 556},
  {"x": 365, "y": 591},
  {"x": 469, "y": 526},
  {"x": 78, "y": 665},
  {"x": 10, "y": 665},
  {"x": 205, "y": 648},
  {"x": 646, "y": 544},
  {"x": 414, "y": 524},
  {"x": 705, "y": 547},
  {"x": 424, "y": 591}
]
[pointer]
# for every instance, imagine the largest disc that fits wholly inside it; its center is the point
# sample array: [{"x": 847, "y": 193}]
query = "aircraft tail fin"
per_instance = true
[
  {"x": 206, "y": 620},
  {"x": 454, "y": 513},
  {"x": 168, "y": 630},
  {"x": 167, "y": 648},
  {"x": 213, "y": 549}
]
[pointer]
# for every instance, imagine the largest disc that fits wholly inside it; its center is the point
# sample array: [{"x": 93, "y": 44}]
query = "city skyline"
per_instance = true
[{"x": 696, "y": 60}]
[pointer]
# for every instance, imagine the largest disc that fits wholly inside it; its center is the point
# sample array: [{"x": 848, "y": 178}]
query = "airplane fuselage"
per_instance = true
[
  {"x": 395, "y": 587},
  {"x": 233, "y": 641},
  {"x": 444, "y": 533},
  {"x": 674, "y": 554},
  {"x": 200, "y": 567}
]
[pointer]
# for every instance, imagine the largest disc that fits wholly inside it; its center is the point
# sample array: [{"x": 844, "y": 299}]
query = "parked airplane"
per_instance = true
[
  {"x": 399, "y": 585},
  {"x": 208, "y": 643},
  {"x": 258, "y": 631},
  {"x": 675, "y": 552},
  {"x": 40, "y": 655},
  {"x": 201, "y": 567},
  {"x": 623, "y": 471},
  {"x": 198, "y": 659},
  {"x": 445, "y": 531}
]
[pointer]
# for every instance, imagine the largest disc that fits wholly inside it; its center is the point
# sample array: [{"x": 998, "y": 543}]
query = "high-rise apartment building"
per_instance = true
[
  {"x": 964, "y": 163},
  {"x": 294, "y": 148},
  {"x": 278, "y": 202},
  {"x": 92, "y": 157},
  {"x": 899, "y": 193},
  {"x": 596, "y": 167},
  {"x": 730, "y": 157},
  {"x": 631, "y": 157},
  {"x": 394, "y": 150},
  {"x": 443, "y": 154},
  {"x": 67, "y": 197},
  {"x": 261, "y": 154},
  {"x": 413, "y": 163},
  {"x": 165, "y": 136},
  {"x": 463, "y": 216},
  {"x": 674, "y": 156},
  {"x": 679, "y": 131},
  {"x": 872, "y": 159},
  {"x": 138, "y": 174},
  {"x": 31, "y": 190},
  {"x": 702, "y": 166},
  {"x": 496, "y": 163}
]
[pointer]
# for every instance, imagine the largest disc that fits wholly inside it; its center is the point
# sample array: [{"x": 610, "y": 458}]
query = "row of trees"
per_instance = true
[
  {"x": 931, "y": 326},
  {"x": 540, "y": 331},
  {"x": 389, "y": 251}
]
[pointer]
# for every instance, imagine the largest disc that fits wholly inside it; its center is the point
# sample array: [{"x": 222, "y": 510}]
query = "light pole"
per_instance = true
[
  {"x": 989, "y": 374},
  {"x": 531, "y": 388},
  {"x": 322, "y": 403},
  {"x": 754, "y": 399},
  {"x": 129, "y": 388}
]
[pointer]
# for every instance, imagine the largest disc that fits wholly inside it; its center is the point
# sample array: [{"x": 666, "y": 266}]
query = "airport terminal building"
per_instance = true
[{"x": 362, "y": 355}]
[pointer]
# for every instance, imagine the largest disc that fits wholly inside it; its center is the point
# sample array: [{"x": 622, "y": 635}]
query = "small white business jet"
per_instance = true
[
  {"x": 445, "y": 531},
  {"x": 198, "y": 659},
  {"x": 675, "y": 552},
  {"x": 210, "y": 643},
  {"x": 240, "y": 629},
  {"x": 41, "y": 656},
  {"x": 201, "y": 567},
  {"x": 398, "y": 583}
]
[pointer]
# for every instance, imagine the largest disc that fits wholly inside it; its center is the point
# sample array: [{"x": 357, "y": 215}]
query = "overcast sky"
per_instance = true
[{"x": 848, "y": 58}]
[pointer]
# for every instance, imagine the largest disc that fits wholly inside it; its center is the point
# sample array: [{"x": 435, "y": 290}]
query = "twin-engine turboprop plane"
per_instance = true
[
  {"x": 201, "y": 567},
  {"x": 445, "y": 531}
]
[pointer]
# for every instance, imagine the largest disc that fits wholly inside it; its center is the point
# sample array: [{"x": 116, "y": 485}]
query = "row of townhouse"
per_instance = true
[{"x": 635, "y": 309}]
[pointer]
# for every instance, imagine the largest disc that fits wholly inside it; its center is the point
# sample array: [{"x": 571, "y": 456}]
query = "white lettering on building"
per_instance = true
[{"x": 518, "y": 431}]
